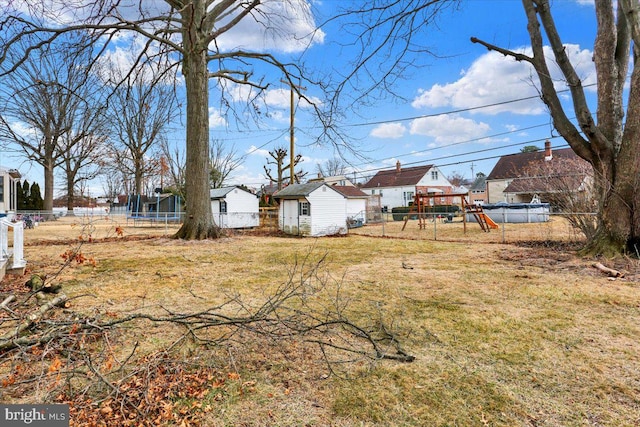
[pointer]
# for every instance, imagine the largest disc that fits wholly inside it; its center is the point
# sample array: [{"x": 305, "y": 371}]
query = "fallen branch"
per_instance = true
[
  {"x": 611, "y": 272},
  {"x": 8, "y": 300},
  {"x": 31, "y": 319}
]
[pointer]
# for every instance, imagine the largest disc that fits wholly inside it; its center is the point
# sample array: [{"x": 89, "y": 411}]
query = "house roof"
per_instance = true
[
  {"x": 13, "y": 173},
  {"x": 531, "y": 173},
  {"x": 294, "y": 191},
  {"x": 350, "y": 192},
  {"x": 513, "y": 165},
  {"x": 221, "y": 193},
  {"x": 547, "y": 184},
  {"x": 398, "y": 178}
]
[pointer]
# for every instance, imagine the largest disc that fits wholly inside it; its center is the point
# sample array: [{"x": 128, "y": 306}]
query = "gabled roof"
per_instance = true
[
  {"x": 221, "y": 193},
  {"x": 513, "y": 165},
  {"x": 350, "y": 192},
  {"x": 295, "y": 191},
  {"x": 531, "y": 173},
  {"x": 398, "y": 178}
]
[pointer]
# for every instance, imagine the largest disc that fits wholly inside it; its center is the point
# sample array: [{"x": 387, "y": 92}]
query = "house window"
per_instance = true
[
  {"x": 223, "y": 206},
  {"x": 434, "y": 175},
  {"x": 408, "y": 197},
  {"x": 304, "y": 209},
  {"x": 373, "y": 192}
]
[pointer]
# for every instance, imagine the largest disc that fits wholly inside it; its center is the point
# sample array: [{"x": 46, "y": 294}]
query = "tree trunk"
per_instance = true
[
  {"x": 70, "y": 192},
  {"x": 47, "y": 206},
  {"x": 137, "y": 174},
  {"x": 198, "y": 223}
]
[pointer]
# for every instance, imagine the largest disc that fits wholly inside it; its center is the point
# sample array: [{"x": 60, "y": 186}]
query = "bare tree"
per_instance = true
[
  {"x": 82, "y": 149},
  {"x": 111, "y": 185},
  {"x": 605, "y": 139},
  {"x": 174, "y": 160},
  {"x": 223, "y": 162},
  {"x": 142, "y": 107},
  {"x": 567, "y": 185},
  {"x": 456, "y": 179},
  {"x": 278, "y": 157},
  {"x": 190, "y": 31},
  {"x": 332, "y": 167},
  {"x": 49, "y": 107}
]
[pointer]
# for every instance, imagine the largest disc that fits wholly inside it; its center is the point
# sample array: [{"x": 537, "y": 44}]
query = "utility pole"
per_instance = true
[
  {"x": 291, "y": 131},
  {"x": 472, "y": 175}
]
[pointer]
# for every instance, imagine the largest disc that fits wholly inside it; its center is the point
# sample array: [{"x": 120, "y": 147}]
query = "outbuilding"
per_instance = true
[
  {"x": 356, "y": 209},
  {"x": 234, "y": 207},
  {"x": 311, "y": 209}
]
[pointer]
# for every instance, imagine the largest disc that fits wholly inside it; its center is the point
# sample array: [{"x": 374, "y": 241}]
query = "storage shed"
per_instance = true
[
  {"x": 234, "y": 207},
  {"x": 356, "y": 204},
  {"x": 312, "y": 209}
]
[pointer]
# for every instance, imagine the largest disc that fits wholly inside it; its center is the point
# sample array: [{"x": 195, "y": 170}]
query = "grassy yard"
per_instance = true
[{"x": 519, "y": 334}]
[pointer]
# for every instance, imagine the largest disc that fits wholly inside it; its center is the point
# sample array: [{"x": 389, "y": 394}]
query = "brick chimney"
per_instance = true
[
  {"x": 547, "y": 151},
  {"x": 398, "y": 166}
]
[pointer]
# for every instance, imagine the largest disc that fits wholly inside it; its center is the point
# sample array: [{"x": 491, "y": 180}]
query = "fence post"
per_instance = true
[
  {"x": 18, "y": 245},
  {"x": 435, "y": 226},
  {"x": 4, "y": 237}
]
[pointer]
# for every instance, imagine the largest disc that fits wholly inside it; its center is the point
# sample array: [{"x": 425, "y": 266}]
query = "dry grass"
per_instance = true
[{"x": 503, "y": 335}]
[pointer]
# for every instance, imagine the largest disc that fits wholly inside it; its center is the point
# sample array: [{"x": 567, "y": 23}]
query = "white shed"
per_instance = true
[
  {"x": 312, "y": 209},
  {"x": 234, "y": 207},
  {"x": 356, "y": 204}
]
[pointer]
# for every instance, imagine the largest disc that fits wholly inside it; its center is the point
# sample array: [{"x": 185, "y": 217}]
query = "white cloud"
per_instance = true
[
  {"x": 288, "y": 27},
  {"x": 448, "y": 128},
  {"x": 494, "y": 78},
  {"x": 255, "y": 151},
  {"x": 216, "y": 119},
  {"x": 389, "y": 130}
]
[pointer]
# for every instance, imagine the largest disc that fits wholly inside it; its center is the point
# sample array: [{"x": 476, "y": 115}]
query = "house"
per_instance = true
[
  {"x": 356, "y": 204},
  {"x": 312, "y": 209},
  {"x": 396, "y": 187},
  {"x": 9, "y": 180},
  {"x": 234, "y": 207},
  {"x": 521, "y": 177},
  {"x": 478, "y": 190}
]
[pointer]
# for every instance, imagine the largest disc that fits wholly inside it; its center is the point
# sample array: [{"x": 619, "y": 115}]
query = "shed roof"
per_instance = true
[
  {"x": 221, "y": 193},
  {"x": 350, "y": 192},
  {"x": 294, "y": 191},
  {"x": 398, "y": 178}
]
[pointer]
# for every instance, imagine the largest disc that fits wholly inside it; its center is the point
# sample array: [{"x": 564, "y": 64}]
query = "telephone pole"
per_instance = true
[{"x": 291, "y": 129}]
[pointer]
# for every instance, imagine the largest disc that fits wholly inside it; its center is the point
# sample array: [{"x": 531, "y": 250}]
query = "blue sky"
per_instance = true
[
  {"x": 463, "y": 77},
  {"x": 443, "y": 118}
]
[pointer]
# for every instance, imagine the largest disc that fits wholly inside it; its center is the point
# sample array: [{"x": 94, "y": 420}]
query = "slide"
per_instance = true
[{"x": 489, "y": 221}]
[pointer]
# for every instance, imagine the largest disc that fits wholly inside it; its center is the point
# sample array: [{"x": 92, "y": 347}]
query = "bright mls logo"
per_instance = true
[{"x": 34, "y": 415}]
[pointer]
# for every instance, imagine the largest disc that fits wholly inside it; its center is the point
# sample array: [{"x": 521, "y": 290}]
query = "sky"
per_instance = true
[
  {"x": 460, "y": 109},
  {"x": 440, "y": 119}
]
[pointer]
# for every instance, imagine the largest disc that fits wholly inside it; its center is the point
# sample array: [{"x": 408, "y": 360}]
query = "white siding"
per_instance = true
[
  {"x": 328, "y": 212},
  {"x": 290, "y": 221},
  {"x": 356, "y": 209},
  {"x": 242, "y": 210},
  {"x": 392, "y": 196}
]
